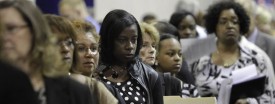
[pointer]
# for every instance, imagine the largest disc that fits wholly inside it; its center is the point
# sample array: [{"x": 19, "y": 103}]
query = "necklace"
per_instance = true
[
  {"x": 228, "y": 62},
  {"x": 117, "y": 70}
]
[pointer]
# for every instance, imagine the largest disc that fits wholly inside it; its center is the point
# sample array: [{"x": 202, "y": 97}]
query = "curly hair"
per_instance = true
[
  {"x": 43, "y": 54},
  {"x": 214, "y": 11},
  {"x": 83, "y": 27},
  {"x": 113, "y": 24},
  {"x": 150, "y": 30}
]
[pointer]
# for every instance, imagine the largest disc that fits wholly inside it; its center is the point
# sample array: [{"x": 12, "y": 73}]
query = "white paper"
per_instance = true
[
  {"x": 193, "y": 48},
  {"x": 238, "y": 76},
  {"x": 244, "y": 74}
]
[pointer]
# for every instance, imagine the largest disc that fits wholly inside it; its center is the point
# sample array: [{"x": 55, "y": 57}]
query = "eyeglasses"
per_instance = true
[
  {"x": 66, "y": 42},
  {"x": 13, "y": 29},
  {"x": 93, "y": 49}
]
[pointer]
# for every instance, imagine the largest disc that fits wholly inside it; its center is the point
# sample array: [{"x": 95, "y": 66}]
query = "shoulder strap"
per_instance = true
[{"x": 167, "y": 79}]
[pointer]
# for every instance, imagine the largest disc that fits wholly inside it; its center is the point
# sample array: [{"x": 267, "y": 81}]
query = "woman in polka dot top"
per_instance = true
[{"x": 131, "y": 81}]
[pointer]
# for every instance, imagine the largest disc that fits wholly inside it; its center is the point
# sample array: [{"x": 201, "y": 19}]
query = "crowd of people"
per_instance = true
[{"x": 67, "y": 59}]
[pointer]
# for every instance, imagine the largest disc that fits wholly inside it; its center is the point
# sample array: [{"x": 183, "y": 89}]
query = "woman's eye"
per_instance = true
[
  {"x": 170, "y": 54},
  {"x": 222, "y": 22},
  {"x": 93, "y": 49},
  {"x": 180, "y": 54},
  {"x": 235, "y": 21},
  {"x": 133, "y": 40},
  {"x": 121, "y": 40},
  {"x": 81, "y": 48}
]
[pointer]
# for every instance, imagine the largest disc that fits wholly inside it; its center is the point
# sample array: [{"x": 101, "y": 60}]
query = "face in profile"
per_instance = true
[
  {"x": 187, "y": 27},
  {"x": 66, "y": 46},
  {"x": 125, "y": 45},
  {"x": 228, "y": 28},
  {"x": 169, "y": 57},
  {"x": 17, "y": 37},
  {"x": 148, "y": 50},
  {"x": 86, "y": 54}
]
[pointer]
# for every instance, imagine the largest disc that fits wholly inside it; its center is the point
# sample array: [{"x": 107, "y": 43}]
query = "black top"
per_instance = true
[
  {"x": 15, "y": 86},
  {"x": 131, "y": 91},
  {"x": 64, "y": 90}
]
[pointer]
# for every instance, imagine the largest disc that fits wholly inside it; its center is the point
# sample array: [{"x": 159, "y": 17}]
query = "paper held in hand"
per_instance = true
[{"x": 244, "y": 82}]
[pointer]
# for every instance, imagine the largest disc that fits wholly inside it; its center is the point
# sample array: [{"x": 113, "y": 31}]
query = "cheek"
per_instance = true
[
  {"x": 79, "y": 57},
  {"x": 142, "y": 52},
  {"x": 23, "y": 43}
]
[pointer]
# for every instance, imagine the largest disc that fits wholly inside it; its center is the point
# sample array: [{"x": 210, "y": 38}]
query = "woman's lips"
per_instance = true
[
  {"x": 88, "y": 64},
  {"x": 129, "y": 55}
]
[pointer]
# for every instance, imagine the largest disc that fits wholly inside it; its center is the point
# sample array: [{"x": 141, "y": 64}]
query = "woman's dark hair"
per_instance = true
[
  {"x": 178, "y": 16},
  {"x": 113, "y": 24},
  {"x": 164, "y": 37},
  {"x": 214, "y": 11}
]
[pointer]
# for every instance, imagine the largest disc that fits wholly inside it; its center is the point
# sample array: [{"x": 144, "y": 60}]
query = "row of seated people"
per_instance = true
[{"x": 66, "y": 61}]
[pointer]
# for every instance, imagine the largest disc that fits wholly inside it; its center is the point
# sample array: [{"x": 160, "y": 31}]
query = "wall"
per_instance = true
[{"x": 161, "y": 8}]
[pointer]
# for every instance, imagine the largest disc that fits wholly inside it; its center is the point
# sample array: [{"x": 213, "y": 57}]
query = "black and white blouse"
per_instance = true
[
  {"x": 209, "y": 75},
  {"x": 131, "y": 91}
]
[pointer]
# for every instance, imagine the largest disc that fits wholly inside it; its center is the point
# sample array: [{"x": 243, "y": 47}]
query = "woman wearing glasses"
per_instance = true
[
  {"x": 29, "y": 44},
  {"x": 85, "y": 61}
]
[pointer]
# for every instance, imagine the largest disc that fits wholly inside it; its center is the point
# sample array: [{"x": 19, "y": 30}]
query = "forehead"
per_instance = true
[
  {"x": 11, "y": 15},
  {"x": 169, "y": 44},
  {"x": 86, "y": 39},
  {"x": 228, "y": 13},
  {"x": 147, "y": 36},
  {"x": 188, "y": 18},
  {"x": 61, "y": 35},
  {"x": 129, "y": 31}
]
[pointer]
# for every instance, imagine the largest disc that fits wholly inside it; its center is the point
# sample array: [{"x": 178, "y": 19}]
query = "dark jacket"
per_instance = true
[
  {"x": 185, "y": 75},
  {"x": 147, "y": 77},
  {"x": 64, "y": 90},
  {"x": 170, "y": 85},
  {"x": 15, "y": 86}
]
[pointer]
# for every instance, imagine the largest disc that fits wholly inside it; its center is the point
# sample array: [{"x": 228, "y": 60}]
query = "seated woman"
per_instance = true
[
  {"x": 29, "y": 44},
  {"x": 169, "y": 60},
  {"x": 150, "y": 39},
  {"x": 86, "y": 59},
  {"x": 228, "y": 20},
  {"x": 184, "y": 74},
  {"x": 120, "y": 67},
  {"x": 66, "y": 33}
]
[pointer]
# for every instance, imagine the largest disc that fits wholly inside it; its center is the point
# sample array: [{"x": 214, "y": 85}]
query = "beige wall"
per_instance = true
[{"x": 161, "y": 8}]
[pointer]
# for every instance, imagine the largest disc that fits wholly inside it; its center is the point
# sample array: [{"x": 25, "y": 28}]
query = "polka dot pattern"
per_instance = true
[{"x": 130, "y": 90}]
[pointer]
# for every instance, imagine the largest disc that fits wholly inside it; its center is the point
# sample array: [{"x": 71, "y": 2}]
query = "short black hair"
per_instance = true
[
  {"x": 113, "y": 24},
  {"x": 214, "y": 11}
]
